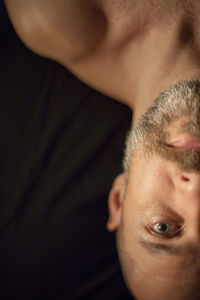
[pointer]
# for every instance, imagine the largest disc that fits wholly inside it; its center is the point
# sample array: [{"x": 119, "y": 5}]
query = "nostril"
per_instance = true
[{"x": 184, "y": 178}]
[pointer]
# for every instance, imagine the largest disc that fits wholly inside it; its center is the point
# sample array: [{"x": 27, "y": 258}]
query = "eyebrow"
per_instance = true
[{"x": 158, "y": 248}]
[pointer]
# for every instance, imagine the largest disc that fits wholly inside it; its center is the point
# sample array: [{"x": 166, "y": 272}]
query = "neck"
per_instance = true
[{"x": 166, "y": 54}]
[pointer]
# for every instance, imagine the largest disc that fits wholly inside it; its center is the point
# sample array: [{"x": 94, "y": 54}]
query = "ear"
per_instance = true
[{"x": 115, "y": 203}]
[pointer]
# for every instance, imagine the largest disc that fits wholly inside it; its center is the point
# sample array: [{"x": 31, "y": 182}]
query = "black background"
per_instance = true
[{"x": 61, "y": 147}]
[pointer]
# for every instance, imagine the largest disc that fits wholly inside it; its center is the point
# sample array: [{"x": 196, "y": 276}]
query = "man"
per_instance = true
[{"x": 133, "y": 51}]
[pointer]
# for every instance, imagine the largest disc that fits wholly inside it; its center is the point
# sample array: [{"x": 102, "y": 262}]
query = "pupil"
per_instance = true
[{"x": 163, "y": 227}]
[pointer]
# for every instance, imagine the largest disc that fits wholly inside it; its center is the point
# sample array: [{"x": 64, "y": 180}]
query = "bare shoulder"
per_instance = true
[
  {"x": 76, "y": 34},
  {"x": 57, "y": 28},
  {"x": 98, "y": 40}
]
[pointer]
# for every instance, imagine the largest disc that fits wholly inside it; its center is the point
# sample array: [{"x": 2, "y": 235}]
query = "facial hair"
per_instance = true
[{"x": 177, "y": 110}]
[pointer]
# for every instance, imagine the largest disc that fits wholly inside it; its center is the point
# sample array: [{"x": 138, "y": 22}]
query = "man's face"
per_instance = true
[
  {"x": 159, "y": 235},
  {"x": 158, "y": 238}
]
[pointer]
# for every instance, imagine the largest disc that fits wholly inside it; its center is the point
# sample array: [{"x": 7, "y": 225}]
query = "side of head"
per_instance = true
[{"x": 155, "y": 205}]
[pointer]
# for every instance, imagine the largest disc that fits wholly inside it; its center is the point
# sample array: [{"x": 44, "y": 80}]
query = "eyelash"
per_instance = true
[{"x": 167, "y": 235}]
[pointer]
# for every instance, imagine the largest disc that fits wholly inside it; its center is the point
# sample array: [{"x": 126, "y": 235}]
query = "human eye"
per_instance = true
[{"x": 165, "y": 230}]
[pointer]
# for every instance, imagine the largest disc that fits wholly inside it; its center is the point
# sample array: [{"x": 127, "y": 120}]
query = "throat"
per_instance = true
[{"x": 166, "y": 56}]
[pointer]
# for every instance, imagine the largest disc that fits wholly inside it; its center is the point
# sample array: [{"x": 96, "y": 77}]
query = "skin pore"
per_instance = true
[
  {"x": 134, "y": 50},
  {"x": 130, "y": 50},
  {"x": 155, "y": 265},
  {"x": 157, "y": 213},
  {"x": 158, "y": 271}
]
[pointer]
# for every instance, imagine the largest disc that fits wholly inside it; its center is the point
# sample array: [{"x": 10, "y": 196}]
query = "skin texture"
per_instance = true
[
  {"x": 133, "y": 50},
  {"x": 115, "y": 47},
  {"x": 155, "y": 272},
  {"x": 163, "y": 187}
]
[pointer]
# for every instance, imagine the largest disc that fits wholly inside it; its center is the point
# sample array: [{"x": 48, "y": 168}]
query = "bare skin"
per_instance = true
[{"x": 132, "y": 50}]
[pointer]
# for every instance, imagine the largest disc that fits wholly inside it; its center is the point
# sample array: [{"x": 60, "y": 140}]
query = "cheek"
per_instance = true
[
  {"x": 149, "y": 183},
  {"x": 149, "y": 288}
]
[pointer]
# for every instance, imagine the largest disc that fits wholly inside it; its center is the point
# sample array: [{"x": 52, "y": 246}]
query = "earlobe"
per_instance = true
[{"x": 115, "y": 203}]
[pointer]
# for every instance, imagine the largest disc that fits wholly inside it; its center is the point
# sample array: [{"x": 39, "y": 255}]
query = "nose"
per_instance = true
[
  {"x": 187, "y": 195},
  {"x": 188, "y": 184}
]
